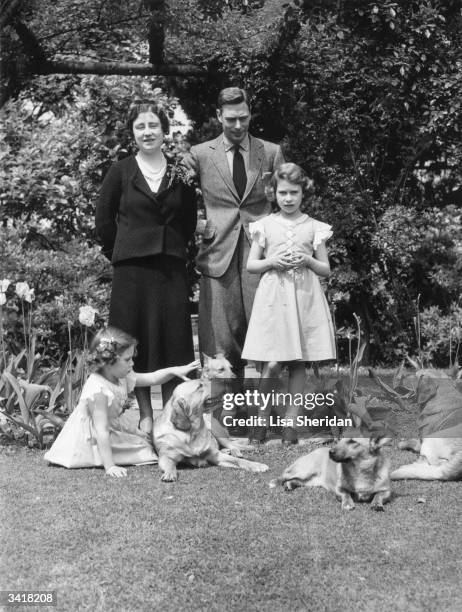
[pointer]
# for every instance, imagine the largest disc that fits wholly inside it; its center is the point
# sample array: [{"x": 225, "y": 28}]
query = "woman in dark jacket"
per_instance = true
[{"x": 145, "y": 217}]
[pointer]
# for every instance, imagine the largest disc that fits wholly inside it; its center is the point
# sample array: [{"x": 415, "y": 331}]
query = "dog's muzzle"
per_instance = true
[
  {"x": 338, "y": 459},
  {"x": 211, "y": 403}
]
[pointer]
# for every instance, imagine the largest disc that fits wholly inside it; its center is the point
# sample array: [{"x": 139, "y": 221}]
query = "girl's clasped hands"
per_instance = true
[{"x": 284, "y": 260}]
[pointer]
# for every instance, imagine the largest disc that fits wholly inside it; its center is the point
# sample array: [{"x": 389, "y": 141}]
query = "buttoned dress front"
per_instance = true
[{"x": 290, "y": 318}]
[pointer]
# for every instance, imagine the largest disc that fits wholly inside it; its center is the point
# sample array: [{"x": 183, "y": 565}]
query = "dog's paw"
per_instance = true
[
  {"x": 348, "y": 506},
  {"x": 377, "y": 507},
  {"x": 258, "y": 467},
  {"x": 235, "y": 452},
  {"x": 169, "y": 477}
]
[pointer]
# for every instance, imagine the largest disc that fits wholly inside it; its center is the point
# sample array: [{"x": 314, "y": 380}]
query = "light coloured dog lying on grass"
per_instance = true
[
  {"x": 440, "y": 457},
  {"x": 355, "y": 469},
  {"x": 180, "y": 433}
]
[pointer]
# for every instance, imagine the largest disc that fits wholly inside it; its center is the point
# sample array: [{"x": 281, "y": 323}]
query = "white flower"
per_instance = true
[
  {"x": 4, "y": 284},
  {"x": 24, "y": 292},
  {"x": 87, "y": 315}
]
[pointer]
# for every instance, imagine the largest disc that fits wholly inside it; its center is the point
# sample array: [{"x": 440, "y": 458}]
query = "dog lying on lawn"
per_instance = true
[
  {"x": 440, "y": 457},
  {"x": 355, "y": 469},
  {"x": 180, "y": 433}
]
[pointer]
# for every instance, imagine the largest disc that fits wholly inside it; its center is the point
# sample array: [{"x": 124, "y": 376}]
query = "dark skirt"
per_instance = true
[{"x": 149, "y": 301}]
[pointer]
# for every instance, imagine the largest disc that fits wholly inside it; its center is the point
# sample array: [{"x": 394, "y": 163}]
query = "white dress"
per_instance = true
[
  {"x": 76, "y": 447},
  {"x": 290, "y": 316}
]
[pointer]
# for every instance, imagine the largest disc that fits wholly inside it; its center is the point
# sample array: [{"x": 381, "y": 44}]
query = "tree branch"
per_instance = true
[{"x": 120, "y": 68}]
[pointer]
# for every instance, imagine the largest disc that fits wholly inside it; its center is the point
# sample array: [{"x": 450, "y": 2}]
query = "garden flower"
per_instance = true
[
  {"x": 3, "y": 287},
  {"x": 24, "y": 292},
  {"x": 87, "y": 315}
]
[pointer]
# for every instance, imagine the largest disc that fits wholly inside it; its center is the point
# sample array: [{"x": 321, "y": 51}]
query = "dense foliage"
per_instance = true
[
  {"x": 366, "y": 96},
  {"x": 64, "y": 276}
]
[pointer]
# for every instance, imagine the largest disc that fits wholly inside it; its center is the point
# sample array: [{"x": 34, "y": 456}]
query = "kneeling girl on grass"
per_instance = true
[{"x": 97, "y": 433}]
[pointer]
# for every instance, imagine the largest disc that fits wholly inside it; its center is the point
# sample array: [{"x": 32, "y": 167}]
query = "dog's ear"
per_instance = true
[
  {"x": 179, "y": 418},
  {"x": 205, "y": 365},
  {"x": 377, "y": 443},
  {"x": 205, "y": 359}
]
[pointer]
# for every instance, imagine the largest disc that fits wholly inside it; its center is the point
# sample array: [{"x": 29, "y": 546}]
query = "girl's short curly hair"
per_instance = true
[
  {"x": 106, "y": 347},
  {"x": 293, "y": 174}
]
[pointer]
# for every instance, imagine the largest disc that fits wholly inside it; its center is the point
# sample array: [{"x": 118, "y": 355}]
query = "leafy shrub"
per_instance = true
[
  {"x": 442, "y": 334},
  {"x": 64, "y": 276}
]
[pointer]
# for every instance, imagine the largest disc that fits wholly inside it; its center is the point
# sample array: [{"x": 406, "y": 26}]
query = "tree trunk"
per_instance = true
[{"x": 156, "y": 31}]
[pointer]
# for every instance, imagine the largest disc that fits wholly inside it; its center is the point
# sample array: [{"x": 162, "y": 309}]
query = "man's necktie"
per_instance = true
[{"x": 239, "y": 175}]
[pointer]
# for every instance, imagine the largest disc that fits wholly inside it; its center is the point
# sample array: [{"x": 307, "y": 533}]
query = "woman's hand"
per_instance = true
[
  {"x": 116, "y": 471},
  {"x": 182, "y": 371}
]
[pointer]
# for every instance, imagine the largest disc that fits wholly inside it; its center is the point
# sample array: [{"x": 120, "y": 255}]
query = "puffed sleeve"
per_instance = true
[
  {"x": 93, "y": 387},
  {"x": 107, "y": 209},
  {"x": 257, "y": 232},
  {"x": 322, "y": 232}
]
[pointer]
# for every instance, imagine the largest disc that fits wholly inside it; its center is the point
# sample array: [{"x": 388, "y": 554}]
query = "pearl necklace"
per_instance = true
[
  {"x": 149, "y": 171},
  {"x": 153, "y": 177}
]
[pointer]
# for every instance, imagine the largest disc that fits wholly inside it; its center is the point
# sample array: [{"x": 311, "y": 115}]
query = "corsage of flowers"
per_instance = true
[{"x": 178, "y": 173}]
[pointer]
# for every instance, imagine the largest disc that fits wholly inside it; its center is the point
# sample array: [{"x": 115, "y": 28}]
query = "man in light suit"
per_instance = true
[{"x": 230, "y": 170}]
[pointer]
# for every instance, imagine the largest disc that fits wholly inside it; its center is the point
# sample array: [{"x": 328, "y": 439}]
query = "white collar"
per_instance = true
[{"x": 245, "y": 144}]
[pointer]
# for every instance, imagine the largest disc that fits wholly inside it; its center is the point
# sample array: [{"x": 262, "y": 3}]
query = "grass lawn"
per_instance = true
[{"x": 223, "y": 540}]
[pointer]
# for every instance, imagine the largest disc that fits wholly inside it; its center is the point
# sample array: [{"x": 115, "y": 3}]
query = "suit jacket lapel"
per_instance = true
[
  {"x": 256, "y": 155},
  {"x": 140, "y": 183},
  {"x": 164, "y": 183},
  {"x": 221, "y": 162}
]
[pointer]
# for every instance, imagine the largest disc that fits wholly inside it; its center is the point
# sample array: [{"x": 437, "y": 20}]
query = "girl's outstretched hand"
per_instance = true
[
  {"x": 182, "y": 371},
  {"x": 116, "y": 471}
]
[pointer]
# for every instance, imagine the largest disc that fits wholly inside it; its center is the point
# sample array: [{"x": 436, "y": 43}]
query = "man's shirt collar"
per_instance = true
[{"x": 245, "y": 144}]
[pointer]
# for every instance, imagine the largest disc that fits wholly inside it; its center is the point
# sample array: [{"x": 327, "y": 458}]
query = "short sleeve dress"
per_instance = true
[
  {"x": 76, "y": 447},
  {"x": 290, "y": 318}
]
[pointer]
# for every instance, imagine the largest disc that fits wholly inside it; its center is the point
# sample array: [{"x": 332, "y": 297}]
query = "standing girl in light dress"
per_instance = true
[
  {"x": 290, "y": 323},
  {"x": 97, "y": 433}
]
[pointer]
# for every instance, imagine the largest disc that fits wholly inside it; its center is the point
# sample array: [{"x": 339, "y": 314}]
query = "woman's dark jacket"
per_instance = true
[{"x": 132, "y": 221}]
